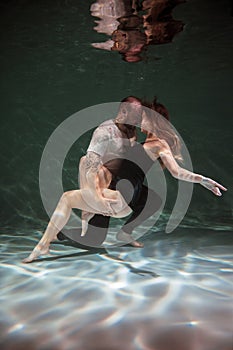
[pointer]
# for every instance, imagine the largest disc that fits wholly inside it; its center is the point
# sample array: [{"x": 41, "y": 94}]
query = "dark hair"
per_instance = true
[
  {"x": 160, "y": 108},
  {"x": 132, "y": 99},
  {"x": 156, "y": 106}
]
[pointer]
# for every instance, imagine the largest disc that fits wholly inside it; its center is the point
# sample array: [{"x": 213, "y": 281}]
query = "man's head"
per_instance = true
[{"x": 130, "y": 111}]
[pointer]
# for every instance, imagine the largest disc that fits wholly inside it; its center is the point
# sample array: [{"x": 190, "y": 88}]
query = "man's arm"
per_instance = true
[
  {"x": 93, "y": 164},
  {"x": 95, "y": 152}
]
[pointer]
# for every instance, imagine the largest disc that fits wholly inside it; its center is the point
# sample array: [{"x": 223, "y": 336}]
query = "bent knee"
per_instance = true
[{"x": 67, "y": 196}]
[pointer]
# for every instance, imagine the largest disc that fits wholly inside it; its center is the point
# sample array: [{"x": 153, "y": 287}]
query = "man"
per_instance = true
[{"x": 113, "y": 144}]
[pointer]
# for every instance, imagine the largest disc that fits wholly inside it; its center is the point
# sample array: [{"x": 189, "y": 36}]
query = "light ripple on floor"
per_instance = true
[{"x": 179, "y": 283}]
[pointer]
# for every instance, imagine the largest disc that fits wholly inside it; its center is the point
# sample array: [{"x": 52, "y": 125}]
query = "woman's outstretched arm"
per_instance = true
[{"x": 180, "y": 173}]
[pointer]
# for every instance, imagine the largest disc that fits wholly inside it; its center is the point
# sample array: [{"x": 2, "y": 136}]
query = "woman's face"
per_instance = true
[
  {"x": 144, "y": 131},
  {"x": 144, "y": 124}
]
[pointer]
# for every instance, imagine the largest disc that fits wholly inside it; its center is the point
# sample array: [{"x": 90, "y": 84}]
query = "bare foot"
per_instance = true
[
  {"x": 86, "y": 217},
  {"x": 37, "y": 251},
  {"x": 137, "y": 244},
  {"x": 127, "y": 238}
]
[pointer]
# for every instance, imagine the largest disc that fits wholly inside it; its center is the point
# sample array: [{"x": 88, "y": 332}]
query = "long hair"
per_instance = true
[{"x": 157, "y": 121}]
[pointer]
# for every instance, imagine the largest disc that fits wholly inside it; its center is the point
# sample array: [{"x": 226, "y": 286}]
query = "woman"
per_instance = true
[
  {"x": 161, "y": 144},
  {"x": 104, "y": 201}
]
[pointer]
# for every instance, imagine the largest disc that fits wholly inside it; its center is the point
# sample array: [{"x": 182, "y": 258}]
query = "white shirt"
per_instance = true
[{"x": 108, "y": 142}]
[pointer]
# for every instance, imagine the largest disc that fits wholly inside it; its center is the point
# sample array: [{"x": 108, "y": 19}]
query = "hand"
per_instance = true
[
  {"x": 102, "y": 204},
  {"x": 212, "y": 186}
]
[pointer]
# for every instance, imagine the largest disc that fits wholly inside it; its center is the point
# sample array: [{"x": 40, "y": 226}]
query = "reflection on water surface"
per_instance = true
[{"x": 133, "y": 25}]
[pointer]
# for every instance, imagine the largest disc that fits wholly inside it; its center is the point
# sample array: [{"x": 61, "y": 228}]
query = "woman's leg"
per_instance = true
[
  {"x": 86, "y": 217},
  {"x": 61, "y": 215}
]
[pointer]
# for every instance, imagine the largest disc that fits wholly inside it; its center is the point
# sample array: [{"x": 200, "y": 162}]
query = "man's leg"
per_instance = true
[
  {"x": 144, "y": 207},
  {"x": 95, "y": 235},
  {"x": 148, "y": 203}
]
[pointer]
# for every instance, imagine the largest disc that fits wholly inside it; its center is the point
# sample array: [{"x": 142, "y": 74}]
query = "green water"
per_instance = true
[
  {"x": 49, "y": 71},
  {"x": 176, "y": 292}
]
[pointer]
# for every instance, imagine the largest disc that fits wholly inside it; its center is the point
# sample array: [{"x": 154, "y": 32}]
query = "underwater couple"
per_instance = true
[{"x": 112, "y": 174}]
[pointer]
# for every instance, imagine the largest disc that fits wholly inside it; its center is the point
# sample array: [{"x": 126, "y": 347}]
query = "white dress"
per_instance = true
[{"x": 106, "y": 202}]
